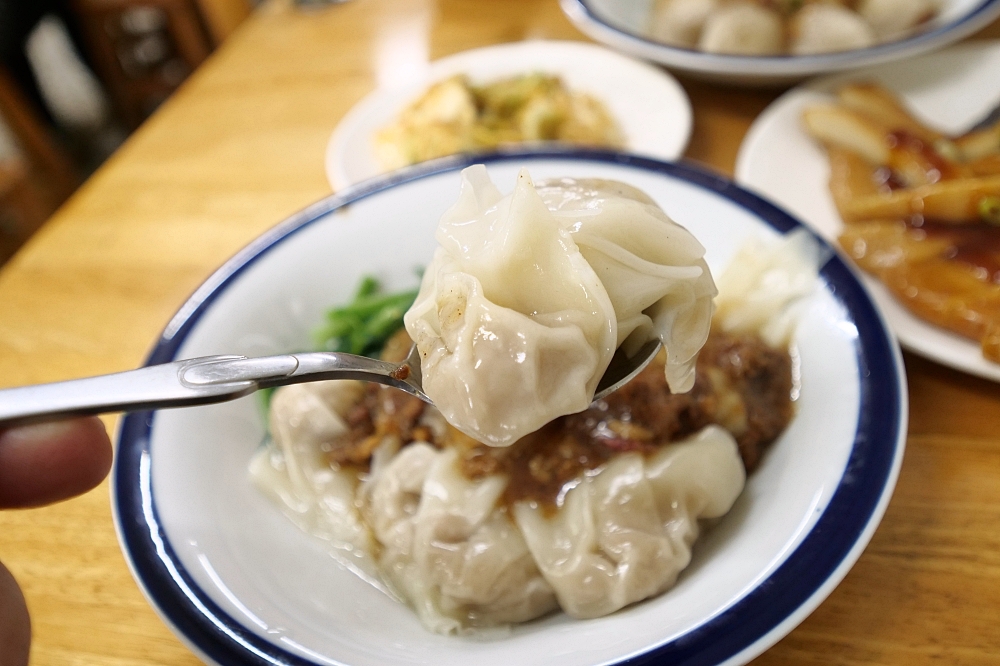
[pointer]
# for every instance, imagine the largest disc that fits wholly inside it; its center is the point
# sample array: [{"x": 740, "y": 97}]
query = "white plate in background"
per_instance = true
[
  {"x": 622, "y": 25},
  {"x": 648, "y": 104},
  {"x": 950, "y": 90},
  {"x": 240, "y": 584}
]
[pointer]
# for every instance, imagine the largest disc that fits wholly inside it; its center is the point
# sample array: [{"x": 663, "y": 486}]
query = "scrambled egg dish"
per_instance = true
[{"x": 456, "y": 116}]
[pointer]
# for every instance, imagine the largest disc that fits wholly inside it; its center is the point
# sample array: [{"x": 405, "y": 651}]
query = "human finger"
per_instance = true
[
  {"x": 15, "y": 627},
  {"x": 44, "y": 463}
]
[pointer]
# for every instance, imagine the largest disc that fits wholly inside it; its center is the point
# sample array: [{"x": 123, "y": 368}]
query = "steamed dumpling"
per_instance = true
[
  {"x": 295, "y": 472},
  {"x": 530, "y": 294},
  {"x": 893, "y": 19},
  {"x": 652, "y": 268},
  {"x": 446, "y": 548},
  {"x": 743, "y": 28},
  {"x": 826, "y": 28},
  {"x": 679, "y": 22},
  {"x": 621, "y": 535},
  {"x": 458, "y": 547},
  {"x": 624, "y": 534}
]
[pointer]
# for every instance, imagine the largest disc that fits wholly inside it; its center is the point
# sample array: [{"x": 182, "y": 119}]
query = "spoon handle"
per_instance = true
[{"x": 196, "y": 381}]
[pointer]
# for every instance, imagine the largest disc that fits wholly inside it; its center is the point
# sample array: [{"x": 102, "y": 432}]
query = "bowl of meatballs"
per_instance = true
[{"x": 777, "y": 42}]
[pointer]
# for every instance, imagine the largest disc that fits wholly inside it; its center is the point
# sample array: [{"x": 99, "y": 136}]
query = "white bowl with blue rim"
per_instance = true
[
  {"x": 624, "y": 26},
  {"x": 240, "y": 584}
]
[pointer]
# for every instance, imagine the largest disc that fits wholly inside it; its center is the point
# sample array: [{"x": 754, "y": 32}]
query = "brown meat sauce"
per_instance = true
[{"x": 742, "y": 384}]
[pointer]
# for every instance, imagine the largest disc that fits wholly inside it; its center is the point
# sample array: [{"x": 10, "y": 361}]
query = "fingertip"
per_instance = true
[
  {"x": 48, "y": 462},
  {"x": 15, "y": 626}
]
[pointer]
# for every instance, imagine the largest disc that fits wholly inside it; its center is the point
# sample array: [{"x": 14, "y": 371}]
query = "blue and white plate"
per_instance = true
[
  {"x": 622, "y": 25},
  {"x": 241, "y": 585}
]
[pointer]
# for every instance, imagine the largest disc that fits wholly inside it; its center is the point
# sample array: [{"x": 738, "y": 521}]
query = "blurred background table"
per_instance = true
[{"x": 238, "y": 148}]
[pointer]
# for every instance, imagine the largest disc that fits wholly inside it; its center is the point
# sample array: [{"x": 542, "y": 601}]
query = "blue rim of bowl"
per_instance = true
[
  {"x": 744, "y": 629},
  {"x": 779, "y": 65}
]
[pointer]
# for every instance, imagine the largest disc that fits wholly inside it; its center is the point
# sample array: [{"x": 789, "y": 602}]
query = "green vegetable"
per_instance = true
[
  {"x": 989, "y": 210},
  {"x": 361, "y": 327},
  {"x": 365, "y": 324},
  {"x": 263, "y": 397}
]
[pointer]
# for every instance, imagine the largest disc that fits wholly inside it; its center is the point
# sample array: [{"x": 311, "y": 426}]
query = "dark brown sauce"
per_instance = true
[
  {"x": 935, "y": 164},
  {"x": 976, "y": 245},
  {"x": 742, "y": 385},
  {"x": 538, "y": 466}
]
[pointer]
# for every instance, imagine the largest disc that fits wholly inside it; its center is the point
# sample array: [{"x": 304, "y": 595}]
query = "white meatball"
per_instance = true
[
  {"x": 894, "y": 19},
  {"x": 679, "y": 22},
  {"x": 825, "y": 28},
  {"x": 743, "y": 28}
]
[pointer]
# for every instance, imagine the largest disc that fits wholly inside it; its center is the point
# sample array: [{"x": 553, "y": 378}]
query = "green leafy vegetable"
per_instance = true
[
  {"x": 263, "y": 397},
  {"x": 365, "y": 324},
  {"x": 989, "y": 210}
]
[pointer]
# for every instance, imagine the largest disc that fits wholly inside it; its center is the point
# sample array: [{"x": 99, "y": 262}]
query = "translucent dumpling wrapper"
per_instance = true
[
  {"x": 621, "y": 535},
  {"x": 446, "y": 548},
  {"x": 294, "y": 471},
  {"x": 625, "y": 534},
  {"x": 679, "y": 22},
  {"x": 894, "y": 19},
  {"x": 464, "y": 554},
  {"x": 416, "y": 527},
  {"x": 743, "y": 28},
  {"x": 529, "y": 295},
  {"x": 828, "y": 28}
]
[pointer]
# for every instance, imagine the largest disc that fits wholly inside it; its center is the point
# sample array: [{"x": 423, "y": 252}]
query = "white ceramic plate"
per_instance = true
[
  {"x": 622, "y": 25},
  {"x": 650, "y": 106},
  {"x": 241, "y": 585},
  {"x": 951, "y": 90}
]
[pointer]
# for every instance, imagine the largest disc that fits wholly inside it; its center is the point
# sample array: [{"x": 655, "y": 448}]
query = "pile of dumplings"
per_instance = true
[
  {"x": 578, "y": 268},
  {"x": 529, "y": 295},
  {"x": 786, "y": 27}
]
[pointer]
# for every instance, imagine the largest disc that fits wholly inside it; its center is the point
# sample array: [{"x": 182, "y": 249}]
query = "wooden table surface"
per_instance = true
[{"x": 239, "y": 148}]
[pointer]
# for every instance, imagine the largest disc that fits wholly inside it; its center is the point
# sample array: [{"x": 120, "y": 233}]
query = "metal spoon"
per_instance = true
[{"x": 209, "y": 379}]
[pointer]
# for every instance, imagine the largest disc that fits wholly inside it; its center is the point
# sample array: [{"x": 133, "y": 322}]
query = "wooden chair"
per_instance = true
[
  {"x": 43, "y": 156},
  {"x": 24, "y": 207},
  {"x": 34, "y": 184},
  {"x": 143, "y": 49},
  {"x": 223, "y": 16}
]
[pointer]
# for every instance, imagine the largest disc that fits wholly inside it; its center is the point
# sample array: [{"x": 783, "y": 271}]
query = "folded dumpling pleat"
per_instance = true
[
  {"x": 529, "y": 295},
  {"x": 446, "y": 548},
  {"x": 652, "y": 268},
  {"x": 318, "y": 497},
  {"x": 625, "y": 534}
]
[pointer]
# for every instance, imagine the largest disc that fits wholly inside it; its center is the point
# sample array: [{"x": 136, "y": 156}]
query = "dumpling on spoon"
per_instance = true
[{"x": 529, "y": 295}]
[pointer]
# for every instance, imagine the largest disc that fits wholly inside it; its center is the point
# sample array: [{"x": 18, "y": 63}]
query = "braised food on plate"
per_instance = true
[
  {"x": 563, "y": 503},
  {"x": 921, "y": 209}
]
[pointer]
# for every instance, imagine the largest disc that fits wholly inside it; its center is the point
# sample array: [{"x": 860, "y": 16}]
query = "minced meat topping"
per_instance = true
[{"x": 742, "y": 384}]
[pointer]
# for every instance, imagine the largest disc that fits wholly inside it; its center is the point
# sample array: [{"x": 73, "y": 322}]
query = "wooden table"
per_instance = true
[{"x": 239, "y": 148}]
